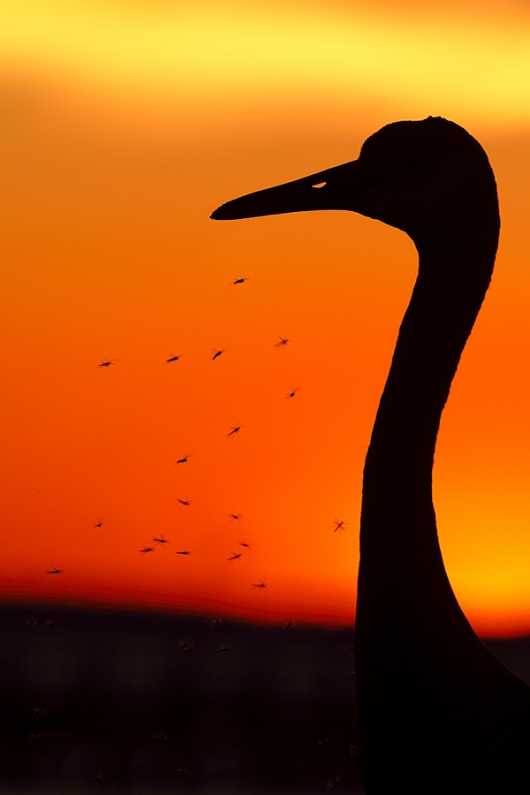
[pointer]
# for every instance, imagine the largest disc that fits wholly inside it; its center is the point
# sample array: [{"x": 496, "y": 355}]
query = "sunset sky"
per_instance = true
[{"x": 123, "y": 125}]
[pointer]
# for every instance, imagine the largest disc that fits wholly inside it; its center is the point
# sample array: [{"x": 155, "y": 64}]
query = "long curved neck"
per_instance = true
[{"x": 403, "y": 587}]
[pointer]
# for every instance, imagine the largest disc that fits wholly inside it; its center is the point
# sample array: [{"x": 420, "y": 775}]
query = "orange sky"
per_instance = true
[{"x": 123, "y": 125}]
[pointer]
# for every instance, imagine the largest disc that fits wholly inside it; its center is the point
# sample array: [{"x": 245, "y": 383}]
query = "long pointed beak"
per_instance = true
[{"x": 333, "y": 189}]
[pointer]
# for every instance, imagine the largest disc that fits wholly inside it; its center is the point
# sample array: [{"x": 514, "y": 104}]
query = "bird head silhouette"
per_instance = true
[{"x": 423, "y": 177}]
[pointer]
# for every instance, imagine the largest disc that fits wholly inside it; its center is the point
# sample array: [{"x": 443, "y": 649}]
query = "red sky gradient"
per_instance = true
[{"x": 123, "y": 125}]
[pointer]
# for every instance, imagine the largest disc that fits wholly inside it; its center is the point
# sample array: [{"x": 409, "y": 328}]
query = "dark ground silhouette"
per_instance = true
[{"x": 148, "y": 702}]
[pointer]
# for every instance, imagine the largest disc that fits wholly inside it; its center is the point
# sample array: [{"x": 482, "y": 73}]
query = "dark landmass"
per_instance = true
[{"x": 147, "y": 702}]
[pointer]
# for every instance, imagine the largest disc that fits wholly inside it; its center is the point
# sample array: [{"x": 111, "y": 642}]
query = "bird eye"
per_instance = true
[{"x": 319, "y": 185}]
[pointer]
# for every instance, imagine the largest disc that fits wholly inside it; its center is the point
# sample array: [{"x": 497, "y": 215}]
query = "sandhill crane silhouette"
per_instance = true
[{"x": 436, "y": 711}]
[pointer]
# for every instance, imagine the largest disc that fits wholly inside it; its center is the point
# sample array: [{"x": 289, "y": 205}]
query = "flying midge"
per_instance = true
[
  {"x": 182, "y": 770},
  {"x": 241, "y": 280},
  {"x": 291, "y": 395},
  {"x": 234, "y": 431},
  {"x": 160, "y": 540},
  {"x": 288, "y": 626},
  {"x": 325, "y": 741},
  {"x": 38, "y": 713},
  {"x": 236, "y": 555},
  {"x": 31, "y": 622},
  {"x": 106, "y": 363},
  {"x": 244, "y": 544},
  {"x": 173, "y": 358},
  {"x": 184, "y": 502},
  {"x": 332, "y": 783},
  {"x": 217, "y": 354},
  {"x": 185, "y": 644},
  {"x": 222, "y": 649},
  {"x": 215, "y": 623},
  {"x": 183, "y": 460},
  {"x": 49, "y": 623},
  {"x": 145, "y": 550},
  {"x": 99, "y": 523},
  {"x": 55, "y": 570},
  {"x": 236, "y": 516},
  {"x": 259, "y": 586},
  {"x": 183, "y": 552},
  {"x": 283, "y": 341},
  {"x": 163, "y": 735},
  {"x": 339, "y": 525}
]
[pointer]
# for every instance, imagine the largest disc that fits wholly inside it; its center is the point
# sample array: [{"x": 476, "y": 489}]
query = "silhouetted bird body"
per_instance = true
[{"x": 437, "y": 712}]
